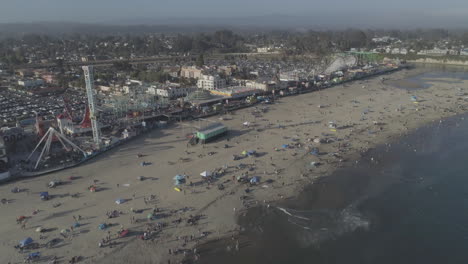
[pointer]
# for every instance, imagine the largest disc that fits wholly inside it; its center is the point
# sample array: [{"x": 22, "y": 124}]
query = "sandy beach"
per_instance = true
[{"x": 344, "y": 120}]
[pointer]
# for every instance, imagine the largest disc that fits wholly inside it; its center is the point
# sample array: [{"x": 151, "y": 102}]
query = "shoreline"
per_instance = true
[
  {"x": 262, "y": 233},
  {"x": 367, "y": 113}
]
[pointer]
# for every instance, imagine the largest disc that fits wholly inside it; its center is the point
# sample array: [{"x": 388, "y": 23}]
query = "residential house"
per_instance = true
[{"x": 190, "y": 72}]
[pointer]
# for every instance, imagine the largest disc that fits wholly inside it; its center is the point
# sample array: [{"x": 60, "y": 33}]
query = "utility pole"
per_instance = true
[{"x": 89, "y": 78}]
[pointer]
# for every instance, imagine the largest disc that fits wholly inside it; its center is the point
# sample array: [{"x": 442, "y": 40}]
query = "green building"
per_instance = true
[{"x": 211, "y": 131}]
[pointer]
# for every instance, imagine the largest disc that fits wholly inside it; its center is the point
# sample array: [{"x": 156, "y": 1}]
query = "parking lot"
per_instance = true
[{"x": 17, "y": 107}]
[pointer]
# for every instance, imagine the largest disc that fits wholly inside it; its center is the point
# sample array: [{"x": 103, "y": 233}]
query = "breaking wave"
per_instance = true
[{"x": 317, "y": 226}]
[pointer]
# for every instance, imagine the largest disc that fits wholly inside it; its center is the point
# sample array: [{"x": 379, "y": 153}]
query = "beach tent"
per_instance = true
[
  {"x": 179, "y": 179},
  {"x": 25, "y": 242},
  {"x": 315, "y": 151},
  {"x": 44, "y": 195},
  {"x": 34, "y": 255},
  {"x": 285, "y": 146},
  {"x": 255, "y": 179},
  {"x": 119, "y": 201},
  {"x": 102, "y": 226},
  {"x": 414, "y": 98},
  {"x": 205, "y": 174}
]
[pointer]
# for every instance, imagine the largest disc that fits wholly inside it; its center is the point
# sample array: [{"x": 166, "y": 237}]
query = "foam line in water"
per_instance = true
[
  {"x": 288, "y": 213},
  {"x": 304, "y": 227}
]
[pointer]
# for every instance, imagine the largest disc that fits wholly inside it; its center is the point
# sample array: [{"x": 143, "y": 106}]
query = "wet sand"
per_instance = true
[{"x": 366, "y": 113}]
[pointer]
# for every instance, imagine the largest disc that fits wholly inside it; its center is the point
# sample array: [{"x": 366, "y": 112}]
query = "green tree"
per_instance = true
[{"x": 200, "y": 61}]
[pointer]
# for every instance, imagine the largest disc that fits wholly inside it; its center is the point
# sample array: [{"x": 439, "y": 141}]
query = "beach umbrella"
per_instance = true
[
  {"x": 315, "y": 151},
  {"x": 285, "y": 145},
  {"x": 150, "y": 216},
  {"x": 102, "y": 226},
  {"x": 39, "y": 229},
  {"x": 119, "y": 201},
  {"x": 205, "y": 174},
  {"x": 251, "y": 152},
  {"x": 52, "y": 184},
  {"x": 64, "y": 231},
  {"x": 244, "y": 153},
  {"x": 124, "y": 233},
  {"x": 76, "y": 224},
  {"x": 26, "y": 241}
]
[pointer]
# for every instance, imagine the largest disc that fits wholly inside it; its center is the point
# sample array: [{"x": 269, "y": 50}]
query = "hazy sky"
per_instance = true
[{"x": 133, "y": 10}]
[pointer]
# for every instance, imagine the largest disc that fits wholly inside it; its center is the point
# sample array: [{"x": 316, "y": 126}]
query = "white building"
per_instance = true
[
  {"x": 152, "y": 90},
  {"x": 31, "y": 82},
  {"x": 435, "y": 51},
  {"x": 265, "y": 49},
  {"x": 264, "y": 86},
  {"x": 174, "y": 92},
  {"x": 211, "y": 82},
  {"x": 399, "y": 51}
]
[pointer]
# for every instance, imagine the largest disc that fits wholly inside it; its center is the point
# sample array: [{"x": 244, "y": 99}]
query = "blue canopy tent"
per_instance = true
[
  {"x": 25, "y": 242},
  {"x": 179, "y": 179}
]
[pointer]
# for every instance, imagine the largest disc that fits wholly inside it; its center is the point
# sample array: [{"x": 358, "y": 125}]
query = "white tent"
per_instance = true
[{"x": 205, "y": 174}]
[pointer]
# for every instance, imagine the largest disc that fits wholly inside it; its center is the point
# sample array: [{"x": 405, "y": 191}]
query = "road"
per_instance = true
[{"x": 136, "y": 60}]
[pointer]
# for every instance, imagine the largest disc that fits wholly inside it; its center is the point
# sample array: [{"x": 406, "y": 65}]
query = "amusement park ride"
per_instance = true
[{"x": 52, "y": 135}]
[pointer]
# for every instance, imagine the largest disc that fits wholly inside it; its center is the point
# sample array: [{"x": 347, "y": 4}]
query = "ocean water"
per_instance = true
[{"x": 409, "y": 206}]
